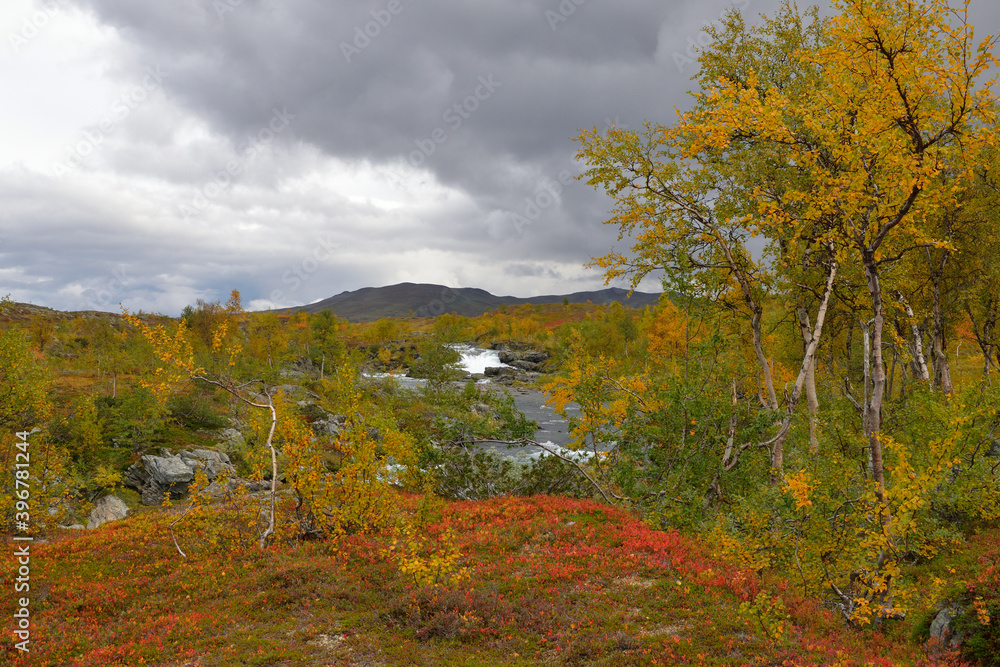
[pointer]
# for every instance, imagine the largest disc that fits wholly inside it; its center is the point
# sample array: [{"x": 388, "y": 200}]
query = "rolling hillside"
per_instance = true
[{"x": 423, "y": 300}]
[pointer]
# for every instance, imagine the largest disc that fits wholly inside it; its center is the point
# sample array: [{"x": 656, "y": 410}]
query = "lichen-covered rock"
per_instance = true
[
  {"x": 942, "y": 634},
  {"x": 212, "y": 463},
  {"x": 230, "y": 436},
  {"x": 514, "y": 354},
  {"x": 173, "y": 474},
  {"x": 168, "y": 470},
  {"x": 108, "y": 508},
  {"x": 509, "y": 374},
  {"x": 526, "y": 365}
]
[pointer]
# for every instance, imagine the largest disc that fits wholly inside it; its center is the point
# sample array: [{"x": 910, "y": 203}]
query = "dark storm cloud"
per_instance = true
[
  {"x": 486, "y": 96},
  {"x": 472, "y": 104},
  {"x": 376, "y": 95}
]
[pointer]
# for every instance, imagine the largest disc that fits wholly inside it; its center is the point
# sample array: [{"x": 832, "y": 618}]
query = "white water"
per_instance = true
[{"x": 476, "y": 359}]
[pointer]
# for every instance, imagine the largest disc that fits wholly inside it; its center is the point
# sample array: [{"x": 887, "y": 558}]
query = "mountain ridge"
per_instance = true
[{"x": 429, "y": 300}]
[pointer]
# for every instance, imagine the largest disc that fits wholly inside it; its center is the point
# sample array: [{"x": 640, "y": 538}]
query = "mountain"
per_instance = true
[{"x": 422, "y": 300}]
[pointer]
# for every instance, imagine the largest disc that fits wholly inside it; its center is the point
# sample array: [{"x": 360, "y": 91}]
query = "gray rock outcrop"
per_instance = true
[
  {"x": 513, "y": 353},
  {"x": 173, "y": 474},
  {"x": 108, "y": 508},
  {"x": 230, "y": 437},
  {"x": 942, "y": 634},
  {"x": 509, "y": 375}
]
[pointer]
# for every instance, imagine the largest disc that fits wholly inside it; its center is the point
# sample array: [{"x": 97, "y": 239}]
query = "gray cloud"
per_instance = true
[{"x": 407, "y": 150}]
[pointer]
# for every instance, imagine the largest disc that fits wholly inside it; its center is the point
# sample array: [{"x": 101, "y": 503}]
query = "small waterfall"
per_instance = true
[{"x": 476, "y": 359}]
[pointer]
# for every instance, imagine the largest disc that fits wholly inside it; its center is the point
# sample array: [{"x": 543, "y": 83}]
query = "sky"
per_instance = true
[{"x": 159, "y": 152}]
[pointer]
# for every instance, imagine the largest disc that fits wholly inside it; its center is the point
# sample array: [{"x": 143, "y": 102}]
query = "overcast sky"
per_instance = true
[{"x": 157, "y": 152}]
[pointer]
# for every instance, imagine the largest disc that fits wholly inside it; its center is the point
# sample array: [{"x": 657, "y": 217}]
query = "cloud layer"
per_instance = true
[{"x": 161, "y": 152}]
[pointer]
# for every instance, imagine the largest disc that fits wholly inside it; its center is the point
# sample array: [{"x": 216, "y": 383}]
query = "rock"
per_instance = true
[
  {"x": 231, "y": 436},
  {"x": 509, "y": 375},
  {"x": 136, "y": 476},
  {"x": 172, "y": 474},
  {"x": 75, "y": 526},
  {"x": 525, "y": 365},
  {"x": 168, "y": 470},
  {"x": 213, "y": 463},
  {"x": 521, "y": 356},
  {"x": 329, "y": 426},
  {"x": 108, "y": 508},
  {"x": 942, "y": 634},
  {"x": 507, "y": 356},
  {"x": 535, "y": 356}
]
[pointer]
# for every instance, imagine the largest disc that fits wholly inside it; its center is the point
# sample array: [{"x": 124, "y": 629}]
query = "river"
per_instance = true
[{"x": 553, "y": 430}]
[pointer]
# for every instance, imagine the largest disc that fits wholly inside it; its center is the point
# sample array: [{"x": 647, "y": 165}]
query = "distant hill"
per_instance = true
[{"x": 422, "y": 300}]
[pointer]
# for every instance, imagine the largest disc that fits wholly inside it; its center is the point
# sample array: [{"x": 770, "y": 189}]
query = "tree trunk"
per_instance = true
[
  {"x": 808, "y": 363},
  {"x": 916, "y": 344},
  {"x": 866, "y": 344},
  {"x": 942, "y": 373},
  {"x": 811, "y": 400},
  {"x": 984, "y": 333},
  {"x": 892, "y": 372},
  {"x": 758, "y": 347},
  {"x": 874, "y": 407},
  {"x": 875, "y": 415}
]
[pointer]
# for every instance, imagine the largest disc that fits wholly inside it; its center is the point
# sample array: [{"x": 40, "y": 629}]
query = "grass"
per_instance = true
[{"x": 551, "y": 581}]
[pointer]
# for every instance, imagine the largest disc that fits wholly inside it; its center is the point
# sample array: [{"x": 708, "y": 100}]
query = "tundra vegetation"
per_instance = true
[{"x": 802, "y": 443}]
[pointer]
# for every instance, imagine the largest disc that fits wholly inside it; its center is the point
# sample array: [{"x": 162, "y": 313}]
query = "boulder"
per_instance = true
[
  {"x": 108, "y": 508},
  {"x": 230, "y": 436},
  {"x": 212, "y": 463},
  {"x": 508, "y": 356},
  {"x": 172, "y": 474},
  {"x": 942, "y": 634},
  {"x": 167, "y": 471},
  {"x": 329, "y": 427},
  {"x": 526, "y": 365},
  {"x": 521, "y": 356},
  {"x": 508, "y": 375}
]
